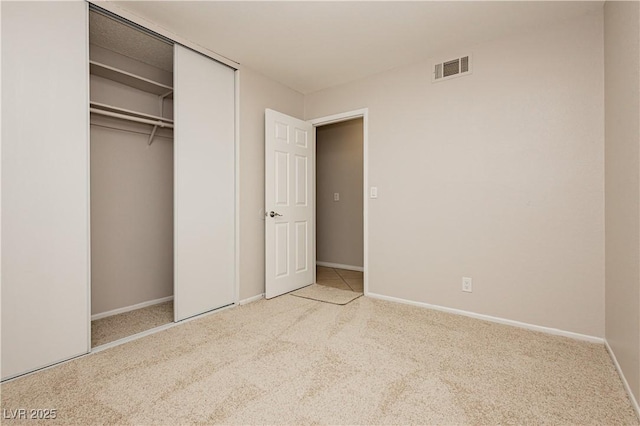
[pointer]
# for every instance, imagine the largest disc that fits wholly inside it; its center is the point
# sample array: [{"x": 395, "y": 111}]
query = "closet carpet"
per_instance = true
[
  {"x": 291, "y": 360},
  {"x": 110, "y": 329}
]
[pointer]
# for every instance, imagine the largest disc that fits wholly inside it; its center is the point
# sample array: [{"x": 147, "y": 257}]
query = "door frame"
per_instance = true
[{"x": 337, "y": 118}]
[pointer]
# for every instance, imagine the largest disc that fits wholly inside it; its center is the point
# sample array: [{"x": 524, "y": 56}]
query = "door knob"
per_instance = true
[{"x": 274, "y": 214}]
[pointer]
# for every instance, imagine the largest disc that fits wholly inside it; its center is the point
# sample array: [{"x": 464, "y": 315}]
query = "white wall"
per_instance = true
[
  {"x": 339, "y": 168},
  {"x": 497, "y": 176},
  {"x": 622, "y": 202},
  {"x": 257, "y": 93}
]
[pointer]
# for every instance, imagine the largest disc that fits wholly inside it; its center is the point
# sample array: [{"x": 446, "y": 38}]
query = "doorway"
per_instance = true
[
  {"x": 290, "y": 211},
  {"x": 355, "y": 126},
  {"x": 340, "y": 205}
]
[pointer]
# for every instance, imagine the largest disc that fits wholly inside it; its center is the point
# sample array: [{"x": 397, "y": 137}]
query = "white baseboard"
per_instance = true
[
  {"x": 498, "y": 320},
  {"x": 251, "y": 299},
  {"x": 634, "y": 401},
  {"x": 130, "y": 308},
  {"x": 340, "y": 266}
]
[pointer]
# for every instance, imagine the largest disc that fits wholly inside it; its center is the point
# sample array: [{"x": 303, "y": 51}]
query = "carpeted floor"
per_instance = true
[
  {"x": 110, "y": 329},
  {"x": 291, "y": 360}
]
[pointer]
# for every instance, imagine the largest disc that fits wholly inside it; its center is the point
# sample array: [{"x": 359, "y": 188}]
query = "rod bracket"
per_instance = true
[{"x": 153, "y": 133}]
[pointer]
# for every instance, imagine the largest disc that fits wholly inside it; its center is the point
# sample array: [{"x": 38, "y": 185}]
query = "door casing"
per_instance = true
[{"x": 337, "y": 118}]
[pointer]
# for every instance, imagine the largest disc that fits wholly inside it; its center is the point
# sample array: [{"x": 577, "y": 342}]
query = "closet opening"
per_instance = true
[{"x": 132, "y": 182}]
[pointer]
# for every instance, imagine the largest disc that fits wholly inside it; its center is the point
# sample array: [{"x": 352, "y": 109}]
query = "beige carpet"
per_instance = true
[
  {"x": 296, "y": 361},
  {"x": 116, "y": 327},
  {"x": 326, "y": 294}
]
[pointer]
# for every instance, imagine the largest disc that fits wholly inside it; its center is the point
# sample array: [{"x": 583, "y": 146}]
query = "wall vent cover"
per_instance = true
[{"x": 452, "y": 68}]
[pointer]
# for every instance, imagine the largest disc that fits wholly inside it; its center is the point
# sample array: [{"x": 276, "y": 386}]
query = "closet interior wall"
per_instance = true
[{"x": 131, "y": 167}]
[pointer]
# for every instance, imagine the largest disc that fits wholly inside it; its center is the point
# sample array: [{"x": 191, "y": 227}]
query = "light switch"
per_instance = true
[
  {"x": 374, "y": 192},
  {"x": 336, "y": 196}
]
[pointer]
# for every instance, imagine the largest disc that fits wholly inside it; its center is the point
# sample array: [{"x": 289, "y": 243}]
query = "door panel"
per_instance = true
[
  {"x": 282, "y": 249},
  {"x": 302, "y": 184},
  {"x": 289, "y": 192},
  {"x": 302, "y": 245},
  {"x": 204, "y": 174},
  {"x": 45, "y": 184},
  {"x": 282, "y": 178}
]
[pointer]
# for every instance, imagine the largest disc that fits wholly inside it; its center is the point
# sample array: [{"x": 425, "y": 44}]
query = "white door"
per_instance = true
[
  {"x": 204, "y": 176},
  {"x": 45, "y": 184},
  {"x": 289, "y": 203}
]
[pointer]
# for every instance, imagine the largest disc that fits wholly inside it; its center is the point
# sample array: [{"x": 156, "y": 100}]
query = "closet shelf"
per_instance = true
[
  {"x": 130, "y": 79},
  {"x": 106, "y": 107}
]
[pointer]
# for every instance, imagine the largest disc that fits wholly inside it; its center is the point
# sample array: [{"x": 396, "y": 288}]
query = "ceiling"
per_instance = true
[
  {"x": 309, "y": 45},
  {"x": 114, "y": 35}
]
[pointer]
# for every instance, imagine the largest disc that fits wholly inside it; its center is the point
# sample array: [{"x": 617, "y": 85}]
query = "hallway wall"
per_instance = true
[{"x": 339, "y": 169}]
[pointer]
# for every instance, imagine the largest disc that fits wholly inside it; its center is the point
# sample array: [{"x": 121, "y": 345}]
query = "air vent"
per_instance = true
[{"x": 452, "y": 68}]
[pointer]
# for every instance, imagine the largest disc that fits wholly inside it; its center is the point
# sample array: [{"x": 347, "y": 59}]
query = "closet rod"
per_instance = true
[
  {"x": 120, "y": 129},
  {"x": 131, "y": 118}
]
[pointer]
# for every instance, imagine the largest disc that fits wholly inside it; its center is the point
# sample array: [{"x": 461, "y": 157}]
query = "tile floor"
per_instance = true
[{"x": 340, "y": 278}]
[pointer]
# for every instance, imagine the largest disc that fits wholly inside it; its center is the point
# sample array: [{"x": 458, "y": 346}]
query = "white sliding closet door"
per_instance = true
[
  {"x": 204, "y": 173},
  {"x": 45, "y": 184}
]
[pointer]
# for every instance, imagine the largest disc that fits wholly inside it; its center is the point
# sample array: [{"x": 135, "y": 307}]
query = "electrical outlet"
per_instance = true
[
  {"x": 336, "y": 196},
  {"x": 467, "y": 284}
]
